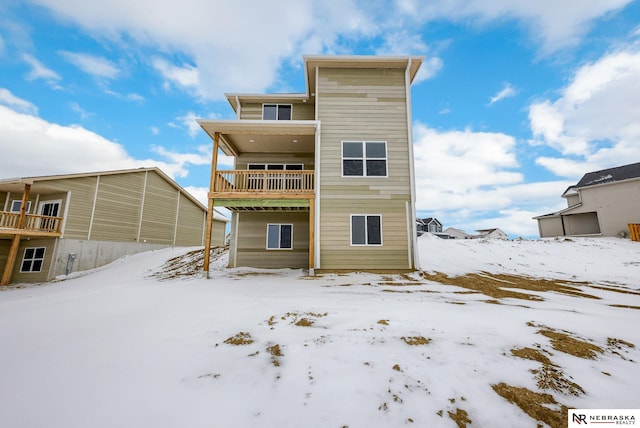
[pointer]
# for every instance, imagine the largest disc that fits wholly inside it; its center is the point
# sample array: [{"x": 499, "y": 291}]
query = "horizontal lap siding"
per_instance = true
[
  {"x": 117, "y": 212},
  {"x": 159, "y": 212},
  {"x": 190, "y": 224},
  {"x": 363, "y": 105},
  {"x": 17, "y": 276},
  {"x": 252, "y": 241}
]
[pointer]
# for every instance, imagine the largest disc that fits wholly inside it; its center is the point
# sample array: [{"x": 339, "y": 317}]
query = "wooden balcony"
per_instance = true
[
  {"x": 263, "y": 184},
  {"x": 34, "y": 225}
]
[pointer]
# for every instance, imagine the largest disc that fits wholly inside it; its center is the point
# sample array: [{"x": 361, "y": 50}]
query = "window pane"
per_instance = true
[
  {"x": 357, "y": 230},
  {"x": 269, "y": 112},
  {"x": 374, "y": 235},
  {"x": 377, "y": 168},
  {"x": 28, "y": 253},
  {"x": 352, "y": 167},
  {"x": 39, "y": 253},
  {"x": 26, "y": 266},
  {"x": 351, "y": 150},
  {"x": 37, "y": 266},
  {"x": 294, "y": 167},
  {"x": 285, "y": 236},
  {"x": 273, "y": 238},
  {"x": 257, "y": 166},
  {"x": 376, "y": 150},
  {"x": 275, "y": 166},
  {"x": 284, "y": 112},
  {"x": 15, "y": 206}
]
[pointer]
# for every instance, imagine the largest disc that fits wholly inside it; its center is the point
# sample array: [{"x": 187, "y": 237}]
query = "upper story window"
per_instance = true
[
  {"x": 276, "y": 111},
  {"x": 17, "y": 204},
  {"x": 364, "y": 158}
]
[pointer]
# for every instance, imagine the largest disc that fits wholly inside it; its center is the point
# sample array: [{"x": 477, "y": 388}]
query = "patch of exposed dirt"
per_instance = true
[
  {"x": 563, "y": 342},
  {"x": 549, "y": 376},
  {"x": 540, "y": 406},
  {"x": 306, "y": 319},
  {"x": 499, "y": 285},
  {"x": 276, "y": 353},
  {"x": 415, "y": 340},
  {"x": 460, "y": 417},
  {"x": 187, "y": 265},
  {"x": 625, "y": 306},
  {"x": 242, "y": 338}
]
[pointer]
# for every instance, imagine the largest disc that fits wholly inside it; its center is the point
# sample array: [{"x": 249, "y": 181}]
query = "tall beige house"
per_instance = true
[{"x": 324, "y": 179}]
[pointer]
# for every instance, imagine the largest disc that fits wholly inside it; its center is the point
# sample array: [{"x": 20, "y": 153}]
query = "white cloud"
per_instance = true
[
  {"x": 189, "y": 122},
  {"x": 74, "y": 106},
  {"x": 39, "y": 71},
  {"x": 93, "y": 65},
  {"x": 471, "y": 180},
  {"x": 185, "y": 77},
  {"x": 507, "y": 91},
  {"x": 39, "y": 147},
  {"x": 596, "y": 120},
  {"x": 554, "y": 25},
  {"x": 10, "y": 100}
]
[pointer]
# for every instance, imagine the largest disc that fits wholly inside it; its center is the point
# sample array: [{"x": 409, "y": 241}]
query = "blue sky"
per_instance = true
[{"x": 516, "y": 100}]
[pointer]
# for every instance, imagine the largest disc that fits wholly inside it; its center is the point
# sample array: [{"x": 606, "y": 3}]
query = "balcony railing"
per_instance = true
[
  {"x": 32, "y": 222},
  {"x": 260, "y": 182}
]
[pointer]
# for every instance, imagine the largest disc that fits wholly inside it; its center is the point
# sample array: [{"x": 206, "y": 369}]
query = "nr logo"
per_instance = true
[{"x": 579, "y": 419}]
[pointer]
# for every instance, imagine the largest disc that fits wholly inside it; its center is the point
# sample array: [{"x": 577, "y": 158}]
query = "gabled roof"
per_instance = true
[
  {"x": 618, "y": 173},
  {"x": 17, "y": 184}
]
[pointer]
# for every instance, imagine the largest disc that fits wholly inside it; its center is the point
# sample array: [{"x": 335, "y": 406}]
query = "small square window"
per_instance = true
[
  {"x": 17, "y": 203},
  {"x": 276, "y": 111},
  {"x": 364, "y": 159},
  {"x": 32, "y": 260},
  {"x": 279, "y": 236},
  {"x": 366, "y": 229}
]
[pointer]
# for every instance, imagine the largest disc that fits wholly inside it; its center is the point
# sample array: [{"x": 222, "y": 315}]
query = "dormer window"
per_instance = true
[{"x": 276, "y": 112}]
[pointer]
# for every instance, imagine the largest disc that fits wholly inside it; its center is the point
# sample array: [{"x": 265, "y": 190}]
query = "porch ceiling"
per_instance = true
[{"x": 259, "y": 136}]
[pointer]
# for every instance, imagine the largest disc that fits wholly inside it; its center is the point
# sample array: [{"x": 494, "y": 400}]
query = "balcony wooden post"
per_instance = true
[
  {"x": 15, "y": 242},
  {"x": 312, "y": 243},
  {"x": 210, "y": 207}
]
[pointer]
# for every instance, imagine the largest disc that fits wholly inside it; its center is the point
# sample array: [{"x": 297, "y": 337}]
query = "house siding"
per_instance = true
[
  {"x": 252, "y": 237},
  {"x": 17, "y": 276},
  {"x": 159, "y": 211},
  {"x": 363, "y": 105}
]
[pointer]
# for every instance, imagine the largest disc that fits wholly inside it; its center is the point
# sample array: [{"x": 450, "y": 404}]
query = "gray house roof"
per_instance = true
[{"x": 618, "y": 173}]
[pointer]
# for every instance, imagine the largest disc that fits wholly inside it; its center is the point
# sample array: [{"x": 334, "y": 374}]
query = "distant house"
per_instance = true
[
  {"x": 454, "y": 233},
  {"x": 494, "y": 233},
  {"x": 602, "y": 203},
  {"x": 432, "y": 225},
  {"x": 51, "y": 225}
]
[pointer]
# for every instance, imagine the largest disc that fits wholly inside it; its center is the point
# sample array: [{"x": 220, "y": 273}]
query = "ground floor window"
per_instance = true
[
  {"x": 279, "y": 236},
  {"x": 32, "y": 259},
  {"x": 366, "y": 229}
]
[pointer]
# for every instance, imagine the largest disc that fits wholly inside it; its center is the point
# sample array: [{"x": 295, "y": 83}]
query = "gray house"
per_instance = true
[
  {"x": 50, "y": 225},
  {"x": 602, "y": 203}
]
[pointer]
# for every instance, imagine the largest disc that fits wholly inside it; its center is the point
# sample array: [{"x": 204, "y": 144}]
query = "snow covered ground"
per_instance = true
[{"x": 118, "y": 347}]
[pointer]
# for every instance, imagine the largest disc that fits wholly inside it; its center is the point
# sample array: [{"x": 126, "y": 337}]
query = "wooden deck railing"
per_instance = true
[
  {"x": 256, "y": 181},
  {"x": 32, "y": 222}
]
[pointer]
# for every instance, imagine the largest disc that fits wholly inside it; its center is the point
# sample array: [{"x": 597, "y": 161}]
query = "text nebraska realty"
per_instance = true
[{"x": 604, "y": 419}]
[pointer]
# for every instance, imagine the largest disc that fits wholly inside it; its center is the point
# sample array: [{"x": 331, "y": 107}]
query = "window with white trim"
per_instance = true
[
  {"x": 279, "y": 236},
  {"x": 32, "y": 259},
  {"x": 16, "y": 204},
  {"x": 276, "y": 111},
  {"x": 364, "y": 158},
  {"x": 366, "y": 229}
]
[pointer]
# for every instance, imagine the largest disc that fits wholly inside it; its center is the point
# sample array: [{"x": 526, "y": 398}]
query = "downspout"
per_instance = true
[
  {"x": 93, "y": 209},
  {"x": 144, "y": 196},
  {"x": 412, "y": 226},
  {"x": 317, "y": 179}
]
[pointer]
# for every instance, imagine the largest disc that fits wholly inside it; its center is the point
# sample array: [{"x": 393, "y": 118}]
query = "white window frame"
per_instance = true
[
  {"x": 33, "y": 259},
  {"x": 366, "y": 237},
  {"x": 364, "y": 159},
  {"x": 19, "y": 203},
  {"x": 55, "y": 201},
  {"x": 266, "y": 166},
  {"x": 277, "y": 110},
  {"x": 279, "y": 236}
]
